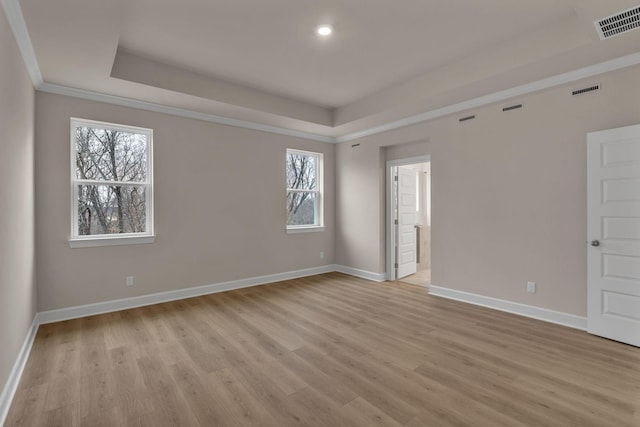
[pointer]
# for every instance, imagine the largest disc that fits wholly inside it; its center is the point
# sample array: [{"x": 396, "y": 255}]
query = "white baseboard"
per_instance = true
[
  {"x": 139, "y": 301},
  {"x": 558, "y": 317},
  {"x": 363, "y": 274},
  {"x": 9, "y": 390},
  {"x": 51, "y": 316}
]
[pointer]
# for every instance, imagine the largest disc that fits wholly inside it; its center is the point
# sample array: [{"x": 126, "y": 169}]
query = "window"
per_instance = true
[
  {"x": 111, "y": 179},
  {"x": 304, "y": 191}
]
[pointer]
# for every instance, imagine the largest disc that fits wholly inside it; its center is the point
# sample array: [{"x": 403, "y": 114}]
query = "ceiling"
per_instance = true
[{"x": 260, "y": 62}]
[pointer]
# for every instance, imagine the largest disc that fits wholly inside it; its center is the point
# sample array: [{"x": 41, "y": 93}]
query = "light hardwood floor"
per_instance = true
[
  {"x": 420, "y": 278},
  {"x": 328, "y": 350}
]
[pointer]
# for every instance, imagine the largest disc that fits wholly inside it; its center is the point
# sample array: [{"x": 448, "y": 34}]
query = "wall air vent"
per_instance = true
[
  {"x": 619, "y": 23},
  {"x": 464, "y": 119},
  {"x": 585, "y": 90},
  {"x": 513, "y": 107}
]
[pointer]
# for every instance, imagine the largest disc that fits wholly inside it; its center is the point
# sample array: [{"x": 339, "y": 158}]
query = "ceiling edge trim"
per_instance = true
[
  {"x": 13, "y": 11},
  {"x": 175, "y": 111},
  {"x": 18, "y": 25},
  {"x": 560, "y": 79}
]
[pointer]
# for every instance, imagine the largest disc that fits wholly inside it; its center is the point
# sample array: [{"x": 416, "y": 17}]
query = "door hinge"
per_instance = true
[
  {"x": 395, "y": 178},
  {"x": 396, "y": 265},
  {"x": 395, "y": 221}
]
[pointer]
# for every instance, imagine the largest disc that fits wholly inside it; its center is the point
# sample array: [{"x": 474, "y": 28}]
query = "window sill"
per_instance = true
[
  {"x": 303, "y": 229},
  {"x": 110, "y": 241}
]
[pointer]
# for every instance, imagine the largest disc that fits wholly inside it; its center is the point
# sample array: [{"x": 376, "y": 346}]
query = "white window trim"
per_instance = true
[
  {"x": 319, "y": 192},
  {"x": 121, "y": 239},
  {"x": 296, "y": 229},
  {"x": 77, "y": 241}
]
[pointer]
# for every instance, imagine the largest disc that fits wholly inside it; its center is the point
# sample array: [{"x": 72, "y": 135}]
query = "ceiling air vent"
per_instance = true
[
  {"x": 619, "y": 23},
  {"x": 464, "y": 119},
  {"x": 585, "y": 90}
]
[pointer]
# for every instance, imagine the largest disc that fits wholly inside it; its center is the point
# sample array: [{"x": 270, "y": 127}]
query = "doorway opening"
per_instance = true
[{"x": 409, "y": 220}]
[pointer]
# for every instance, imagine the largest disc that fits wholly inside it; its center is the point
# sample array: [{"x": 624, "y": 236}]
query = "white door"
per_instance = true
[
  {"x": 613, "y": 217},
  {"x": 406, "y": 231}
]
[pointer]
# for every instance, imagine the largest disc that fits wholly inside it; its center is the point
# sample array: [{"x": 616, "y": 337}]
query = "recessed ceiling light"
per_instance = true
[{"x": 325, "y": 30}]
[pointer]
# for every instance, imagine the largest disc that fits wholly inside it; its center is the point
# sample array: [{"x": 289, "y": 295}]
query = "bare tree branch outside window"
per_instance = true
[
  {"x": 302, "y": 188},
  {"x": 111, "y": 180}
]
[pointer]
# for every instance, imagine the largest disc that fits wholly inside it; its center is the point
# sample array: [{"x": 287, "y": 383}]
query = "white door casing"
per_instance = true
[
  {"x": 407, "y": 216},
  {"x": 613, "y": 225},
  {"x": 392, "y": 211}
]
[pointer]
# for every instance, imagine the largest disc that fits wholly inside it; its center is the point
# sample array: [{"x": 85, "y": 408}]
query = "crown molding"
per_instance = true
[
  {"x": 18, "y": 26},
  {"x": 14, "y": 15},
  {"x": 175, "y": 111},
  {"x": 547, "y": 83},
  {"x": 13, "y": 11}
]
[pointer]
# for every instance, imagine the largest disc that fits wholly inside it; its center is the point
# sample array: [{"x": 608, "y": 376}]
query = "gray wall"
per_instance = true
[
  {"x": 508, "y": 197},
  {"x": 219, "y": 208},
  {"x": 508, "y": 193},
  {"x": 17, "y": 281}
]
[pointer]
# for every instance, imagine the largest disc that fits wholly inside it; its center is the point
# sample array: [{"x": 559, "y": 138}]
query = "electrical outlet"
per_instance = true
[
  {"x": 129, "y": 281},
  {"x": 321, "y": 255},
  {"x": 531, "y": 287}
]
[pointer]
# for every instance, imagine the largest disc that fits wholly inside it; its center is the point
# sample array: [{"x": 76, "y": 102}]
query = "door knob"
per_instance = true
[{"x": 595, "y": 243}]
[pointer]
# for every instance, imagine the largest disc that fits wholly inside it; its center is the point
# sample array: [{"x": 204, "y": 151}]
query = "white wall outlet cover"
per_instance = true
[{"x": 531, "y": 287}]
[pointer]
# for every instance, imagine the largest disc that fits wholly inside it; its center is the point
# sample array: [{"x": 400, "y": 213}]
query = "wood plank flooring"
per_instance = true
[{"x": 328, "y": 350}]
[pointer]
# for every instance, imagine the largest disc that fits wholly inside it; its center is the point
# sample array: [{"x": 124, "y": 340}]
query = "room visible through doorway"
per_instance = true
[{"x": 409, "y": 221}]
